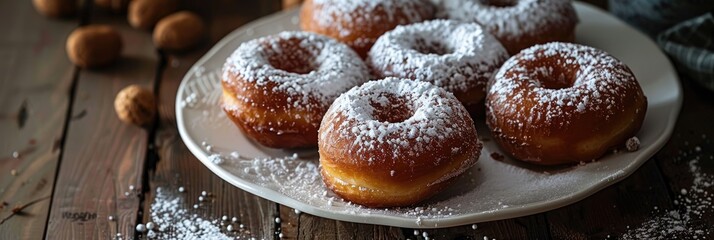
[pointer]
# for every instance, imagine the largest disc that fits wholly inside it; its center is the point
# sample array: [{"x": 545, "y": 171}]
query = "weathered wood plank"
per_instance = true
[
  {"x": 312, "y": 227},
  {"x": 610, "y": 212},
  {"x": 177, "y": 167},
  {"x": 103, "y": 156},
  {"x": 290, "y": 223},
  {"x": 530, "y": 227},
  {"x": 692, "y": 140},
  {"x": 34, "y": 98}
]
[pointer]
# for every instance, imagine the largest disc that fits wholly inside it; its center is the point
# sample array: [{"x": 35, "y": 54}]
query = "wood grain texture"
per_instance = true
[
  {"x": 103, "y": 156},
  {"x": 35, "y": 78},
  {"x": 312, "y": 227},
  {"x": 177, "y": 167},
  {"x": 290, "y": 222},
  {"x": 610, "y": 212},
  {"x": 691, "y": 140},
  {"x": 530, "y": 227}
]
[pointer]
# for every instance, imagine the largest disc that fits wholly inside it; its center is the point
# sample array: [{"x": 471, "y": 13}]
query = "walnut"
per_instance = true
[
  {"x": 56, "y": 8},
  {"x": 179, "y": 31},
  {"x": 117, "y": 6},
  {"x": 144, "y": 14},
  {"x": 135, "y": 105},
  {"x": 94, "y": 46}
]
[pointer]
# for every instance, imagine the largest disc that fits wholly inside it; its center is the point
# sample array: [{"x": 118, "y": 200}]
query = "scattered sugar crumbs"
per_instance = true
[
  {"x": 692, "y": 205},
  {"x": 171, "y": 219}
]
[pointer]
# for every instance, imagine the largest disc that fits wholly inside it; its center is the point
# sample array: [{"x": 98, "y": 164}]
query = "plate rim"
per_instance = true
[{"x": 406, "y": 222}]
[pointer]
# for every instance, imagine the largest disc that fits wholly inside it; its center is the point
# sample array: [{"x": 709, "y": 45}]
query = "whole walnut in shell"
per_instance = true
[
  {"x": 117, "y": 6},
  {"x": 144, "y": 14},
  {"x": 179, "y": 31},
  {"x": 94, "y": 46},
  {"x": 135, "y": 105},
  {"x": 55, "y": 8}
]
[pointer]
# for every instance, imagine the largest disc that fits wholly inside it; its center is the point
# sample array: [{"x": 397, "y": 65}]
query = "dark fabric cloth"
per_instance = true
[
  {"x": 684, "y": 29},
  {"x": 655, "y": 16},
  {"x": 691, "y": 46}
]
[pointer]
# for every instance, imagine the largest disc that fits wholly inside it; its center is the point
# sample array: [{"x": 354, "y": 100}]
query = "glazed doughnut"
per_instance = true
[
  {"x": 518, "y": 24},
  {"x": 359, "y": 23},
  {"x": 459, "y": 57},
  {"x": 562, "y": 102},
  {"x": 277, "y": 88},
  {"x": 395, "y": 142}
]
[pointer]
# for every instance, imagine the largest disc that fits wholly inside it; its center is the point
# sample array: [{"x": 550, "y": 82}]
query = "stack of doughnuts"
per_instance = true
[{"x": 399, "y": 140}]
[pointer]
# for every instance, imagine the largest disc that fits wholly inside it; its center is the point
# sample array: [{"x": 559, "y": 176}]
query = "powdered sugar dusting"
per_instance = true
[
  {"x": 694, "y": 203},
  {"x": 598, "y": 85},
  {"x": 350, "y": 17},
  {"x": 336, "y": 67},
  {"x": 470, "y": 55},
  {"x": 524, "y": 18},
  {"x": 337, "y": 9},
  {"x": 632, "y": 144},
  {"x": 173, "y": 221},
  {"x": 429, "y": 112}
]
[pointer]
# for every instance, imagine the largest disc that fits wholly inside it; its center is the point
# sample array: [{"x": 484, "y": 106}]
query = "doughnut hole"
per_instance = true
[
  {"x": 553, "y": 73},
  {"x": 500, "y": 3},
  {"x": 391, "y": 108},
  {"x": 293, "y": 57},
  {"x": 425, "y": 46}
]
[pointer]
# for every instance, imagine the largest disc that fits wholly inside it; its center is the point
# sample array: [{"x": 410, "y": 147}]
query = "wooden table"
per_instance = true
[{"x": 67, "y": 163}]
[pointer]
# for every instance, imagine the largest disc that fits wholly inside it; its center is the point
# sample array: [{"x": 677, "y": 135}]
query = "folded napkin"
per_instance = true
[
  {"x": 691, "y": 46},
  {"x": 684, "y": 29}
]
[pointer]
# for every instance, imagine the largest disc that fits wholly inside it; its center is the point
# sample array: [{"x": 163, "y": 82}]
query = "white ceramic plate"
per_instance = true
[{"x": 492, "y": 190}]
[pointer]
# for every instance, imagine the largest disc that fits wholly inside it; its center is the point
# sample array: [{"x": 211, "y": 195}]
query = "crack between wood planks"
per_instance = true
[
  {"x": 277, "y": 228},
  {"x": 22, "y": 114},
  {"x": 152, "y": 157},
  {"x": 59, "y": 145},
  {"x": 671, "y": 195},
  {"x": 548, "y": 231}
]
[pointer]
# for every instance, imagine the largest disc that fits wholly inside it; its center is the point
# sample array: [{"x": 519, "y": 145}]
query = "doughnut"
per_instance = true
[
  {"x": 560, "y": 103},
  {"x": 459, "y": 57},
  {"x": 518, "y": 24},
  {"x": 276, "y": 89},
  {"x": 359, "y": 23},
  {"x": 395, "y": 142}
]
